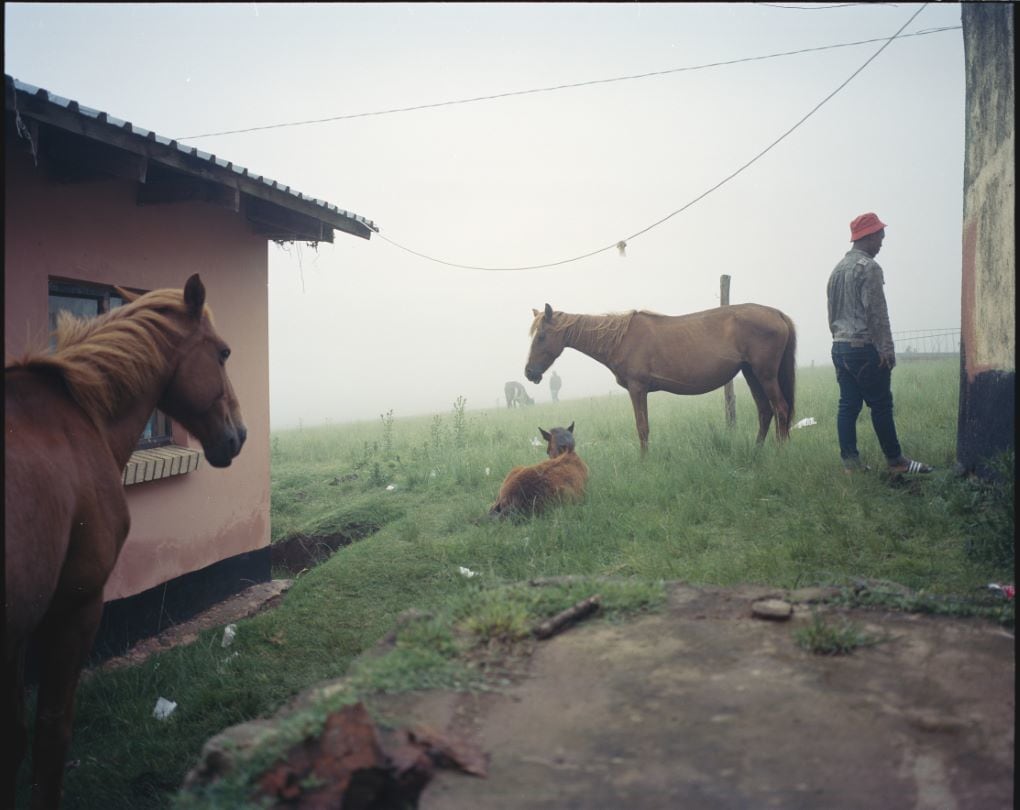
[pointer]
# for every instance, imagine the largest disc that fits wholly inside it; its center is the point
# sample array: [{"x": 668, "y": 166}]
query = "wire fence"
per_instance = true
[{"x": 919, "y": 344}]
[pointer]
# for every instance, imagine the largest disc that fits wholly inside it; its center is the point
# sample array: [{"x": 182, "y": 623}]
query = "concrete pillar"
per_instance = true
[{"x": 988, "y": 331}]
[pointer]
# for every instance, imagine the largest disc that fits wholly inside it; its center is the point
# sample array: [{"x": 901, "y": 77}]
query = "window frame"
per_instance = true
[{"x": 158, "y": 431}]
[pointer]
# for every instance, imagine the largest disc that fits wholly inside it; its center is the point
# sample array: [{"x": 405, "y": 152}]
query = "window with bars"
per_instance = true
[{"x": 87, "y": 300}]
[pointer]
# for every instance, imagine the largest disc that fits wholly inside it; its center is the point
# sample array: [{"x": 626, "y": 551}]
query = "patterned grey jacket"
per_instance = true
[{"x": 857, "y": 308}]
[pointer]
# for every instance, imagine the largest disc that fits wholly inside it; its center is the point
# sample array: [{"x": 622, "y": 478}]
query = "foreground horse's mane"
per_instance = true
[{"x": 114, "y": 355}]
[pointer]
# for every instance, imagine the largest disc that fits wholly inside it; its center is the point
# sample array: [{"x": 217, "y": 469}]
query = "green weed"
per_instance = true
[
  {"x": 387, "y": 421},
  {"x": 822, "y": 637},
  {"x": 460, "y": 423},
  {"x": 497, "y": 619}
]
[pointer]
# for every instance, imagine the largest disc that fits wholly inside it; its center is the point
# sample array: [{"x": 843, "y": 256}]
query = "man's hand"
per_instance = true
[{"x": 887, "y": 360}]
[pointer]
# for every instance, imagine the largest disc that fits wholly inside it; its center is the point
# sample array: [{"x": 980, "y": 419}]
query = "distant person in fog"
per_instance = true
[{"x": 554, "y": 386}]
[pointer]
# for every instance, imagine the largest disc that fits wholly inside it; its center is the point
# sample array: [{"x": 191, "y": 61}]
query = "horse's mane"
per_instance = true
[
  {"x": 599, "y": 331},
  {"x": 116, "y": 355}
]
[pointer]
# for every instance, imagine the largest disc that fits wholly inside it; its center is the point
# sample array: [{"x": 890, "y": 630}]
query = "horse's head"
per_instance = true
[
  {"x": 546, "y": 344},
  {"x": 199, "y": 394},
  {"x": 559, "y": 440}
]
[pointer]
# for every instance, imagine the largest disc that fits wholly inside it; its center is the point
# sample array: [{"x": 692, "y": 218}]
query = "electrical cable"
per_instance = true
[
  {"x": 820, "y": 7},
  {"x": 701, "y": 196},
  {"x": 558, "y": 87}
]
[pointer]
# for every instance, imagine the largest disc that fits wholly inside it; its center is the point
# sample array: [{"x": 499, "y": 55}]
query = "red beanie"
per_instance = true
[{"x": 865, "y": 224}]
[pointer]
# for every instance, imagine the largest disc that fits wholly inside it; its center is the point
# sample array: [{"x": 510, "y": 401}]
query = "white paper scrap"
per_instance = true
[
  {"x": 229, "y": 634},
  {"x": 164, "y": 708}
]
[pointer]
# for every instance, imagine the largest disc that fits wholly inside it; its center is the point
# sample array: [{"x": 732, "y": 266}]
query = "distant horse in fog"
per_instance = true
[
  {"x": 560, "y": 478},
  {"x": 516, "y": 395}
]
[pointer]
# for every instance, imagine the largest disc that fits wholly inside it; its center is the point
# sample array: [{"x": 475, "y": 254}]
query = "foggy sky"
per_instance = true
[{"x": 361, "y": 327}]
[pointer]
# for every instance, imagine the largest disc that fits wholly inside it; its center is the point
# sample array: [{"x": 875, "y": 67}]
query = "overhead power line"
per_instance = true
[
  {"x": 820, "y": 7},
  {"x": 761, "y": 154},
  {"x": 558, "y": 87}
]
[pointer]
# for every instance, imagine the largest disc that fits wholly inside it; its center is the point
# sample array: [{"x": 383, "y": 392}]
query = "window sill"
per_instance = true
[{"x": 160, "y": 462}]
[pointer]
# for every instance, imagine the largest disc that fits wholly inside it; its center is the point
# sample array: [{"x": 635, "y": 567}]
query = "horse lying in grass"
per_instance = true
[{"x": 560, "y": 478}]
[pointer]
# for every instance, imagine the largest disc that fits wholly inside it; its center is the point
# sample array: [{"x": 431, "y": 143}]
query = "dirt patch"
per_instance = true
[{"x": 704, "y": 706}]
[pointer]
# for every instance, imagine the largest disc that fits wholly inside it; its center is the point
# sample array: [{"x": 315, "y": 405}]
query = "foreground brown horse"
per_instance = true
[
  {"x": 682, "y": 354},
  {"x": 561, "y": 477},
  {"x": 516, "y": 395},
  {"x": 71, "y": 421}
]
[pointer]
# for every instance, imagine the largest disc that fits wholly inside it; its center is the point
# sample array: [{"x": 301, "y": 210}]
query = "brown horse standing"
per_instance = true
[
  {"x": 71, "y": 422},
  {"x": 516, "y": 395},
  {"x": 682, "y": 354},
  {"x": 561, "y": 477}
]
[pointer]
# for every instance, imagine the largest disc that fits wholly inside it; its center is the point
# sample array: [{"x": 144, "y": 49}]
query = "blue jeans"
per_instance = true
[{"x": 862, "y": 380}]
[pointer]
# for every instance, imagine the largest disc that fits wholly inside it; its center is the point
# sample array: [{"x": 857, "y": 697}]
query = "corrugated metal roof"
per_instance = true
[{"x": 126, "y": 127}]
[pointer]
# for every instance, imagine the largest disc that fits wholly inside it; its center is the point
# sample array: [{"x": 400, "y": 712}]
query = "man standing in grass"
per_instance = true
[
  {"x": 862, "y": 348},
  {"x": 554, "y": 386}
]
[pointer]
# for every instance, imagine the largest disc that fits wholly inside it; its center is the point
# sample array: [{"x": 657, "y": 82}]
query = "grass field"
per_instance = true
[{"x": 705, "y": 507}]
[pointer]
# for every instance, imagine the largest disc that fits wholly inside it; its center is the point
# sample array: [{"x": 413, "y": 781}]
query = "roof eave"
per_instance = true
[{"x": 39, "y": 105}]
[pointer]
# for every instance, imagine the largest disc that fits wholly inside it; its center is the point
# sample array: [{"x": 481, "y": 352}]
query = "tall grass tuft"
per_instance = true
[
  {"x": 839, "y": 637},
  {"x": 989, "y": 510}
]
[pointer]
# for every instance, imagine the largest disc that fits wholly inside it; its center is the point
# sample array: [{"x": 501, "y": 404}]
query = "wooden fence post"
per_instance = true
[{"x": 731, "y": 404}]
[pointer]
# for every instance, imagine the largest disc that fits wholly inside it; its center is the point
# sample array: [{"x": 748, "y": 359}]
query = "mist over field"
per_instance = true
[{"x": 668, "y": 131}]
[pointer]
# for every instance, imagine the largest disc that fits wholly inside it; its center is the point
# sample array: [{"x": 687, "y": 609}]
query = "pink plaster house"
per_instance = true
[{"x": 93, "y": 202}]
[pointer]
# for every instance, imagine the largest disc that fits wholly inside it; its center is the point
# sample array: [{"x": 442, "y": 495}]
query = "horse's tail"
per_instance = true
[{"x": 788, "y": 366}]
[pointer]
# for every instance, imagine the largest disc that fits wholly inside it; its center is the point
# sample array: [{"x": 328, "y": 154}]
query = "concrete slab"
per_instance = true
[{"x": 703, "y": 706}]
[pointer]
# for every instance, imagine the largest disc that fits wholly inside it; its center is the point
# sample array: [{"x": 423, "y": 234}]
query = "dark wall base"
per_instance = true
[
  {"x": 987, "y": 426},
  {"x": 128, "y": 621}
]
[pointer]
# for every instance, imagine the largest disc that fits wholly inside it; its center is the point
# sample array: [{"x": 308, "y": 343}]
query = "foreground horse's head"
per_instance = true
[
  {"x": 558, "y": 440},
  {"x": 199, "y": 394},
  {"x": 546, "y": 345}
]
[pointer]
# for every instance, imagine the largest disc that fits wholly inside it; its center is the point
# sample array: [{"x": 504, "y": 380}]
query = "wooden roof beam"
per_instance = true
[
  {"x": 73, "y": 159},
  {"x": 283, "y": 225},
  {"x": 173, "y": 187}
]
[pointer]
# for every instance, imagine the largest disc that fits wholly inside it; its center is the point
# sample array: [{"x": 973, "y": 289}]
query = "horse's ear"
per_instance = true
[
  {"x": 194, "y": 296},
  {"x": 127, "y": 295},
  {"x": 545, "y": 435},
  {"x": 571, "y": 428},
  {"x": 548, "y": 312},
  {"x": 535, "y": 312}
]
